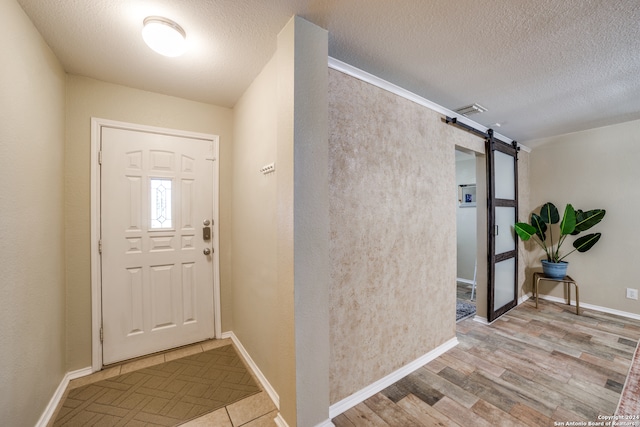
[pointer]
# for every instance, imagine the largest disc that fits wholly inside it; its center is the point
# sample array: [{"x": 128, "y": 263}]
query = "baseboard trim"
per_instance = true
[
  {"x": 280, "y": 422},
  {"x": 591, "y": 307},
  {"x": 481, "y": 319},
  {"x": 59, "y": 393},
  {"x": 254, "y": 367},
  {"x": 362, "y": 395},
  {"x": 467, "y": 281}
]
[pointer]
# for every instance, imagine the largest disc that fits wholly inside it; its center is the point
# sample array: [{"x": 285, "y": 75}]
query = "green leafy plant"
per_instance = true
[{"x": 573, "y": 222}]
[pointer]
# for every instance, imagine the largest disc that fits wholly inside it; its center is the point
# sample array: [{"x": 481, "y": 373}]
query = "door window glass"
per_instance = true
[{"x": 161, "y": 206}]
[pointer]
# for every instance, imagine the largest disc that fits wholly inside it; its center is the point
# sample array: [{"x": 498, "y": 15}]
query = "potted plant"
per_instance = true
[{"x": 573, "y": 222}]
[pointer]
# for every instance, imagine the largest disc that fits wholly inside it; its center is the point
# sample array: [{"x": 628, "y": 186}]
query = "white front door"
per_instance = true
[{"x": 157, "y": 270}]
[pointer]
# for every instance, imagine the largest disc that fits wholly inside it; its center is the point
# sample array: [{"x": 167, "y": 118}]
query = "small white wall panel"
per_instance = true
[
  {"x": 135, "y": 197},
  {"x": 136, "y": 309},
  {"x": 186, "y": 202},
  {"x": 161, "y": 244},
  {"x": 161, "y": 296},
  {"x": 162, "y": 161},
  {"x": 189, "y": 292}
]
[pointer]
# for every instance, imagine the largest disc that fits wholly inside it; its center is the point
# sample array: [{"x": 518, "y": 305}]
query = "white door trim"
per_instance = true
[{"x": 96, "y": 280}]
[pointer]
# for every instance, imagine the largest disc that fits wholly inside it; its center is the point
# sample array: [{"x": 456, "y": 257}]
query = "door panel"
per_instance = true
[
  {"x": 157, "y": 283},
  {"x": 502, "y": 192}
]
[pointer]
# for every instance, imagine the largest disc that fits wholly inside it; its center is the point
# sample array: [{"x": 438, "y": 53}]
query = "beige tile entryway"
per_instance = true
[{"x": 257, "y": 410}]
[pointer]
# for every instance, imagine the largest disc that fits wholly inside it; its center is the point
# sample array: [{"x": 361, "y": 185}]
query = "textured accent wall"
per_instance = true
[{"x": 392, "y": 202}]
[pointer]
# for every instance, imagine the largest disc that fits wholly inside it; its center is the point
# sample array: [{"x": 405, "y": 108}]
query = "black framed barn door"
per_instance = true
[{"x": 502, "y": 213}]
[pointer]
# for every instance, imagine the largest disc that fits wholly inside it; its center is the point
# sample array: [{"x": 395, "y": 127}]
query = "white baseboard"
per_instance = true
[
  {"x": 591, "y": 307},
  {"x": 481, "y": 319},
  {"x": 57, "y": 396},
  {"x": 467, "y": 281},
  {"x": 485, "y": 321},
  {"x": 280, "y": 422},
  {"x": 362, "y": 395},
  {"x": 254, "y": 367}
]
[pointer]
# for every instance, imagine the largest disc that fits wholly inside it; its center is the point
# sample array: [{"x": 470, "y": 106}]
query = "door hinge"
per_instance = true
[
  {"x": 101, "y": 334},
  {"x": 100, "y": 157},
  {"x": 100, "y": 246}
]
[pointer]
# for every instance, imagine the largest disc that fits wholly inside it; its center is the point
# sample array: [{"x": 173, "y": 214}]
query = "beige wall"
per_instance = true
[
  {"x": 32, "y": 335},
  {"x": 597, "y": 168},
  {"x": 311, "y": 223},
  {"x": 256, "y": 308},
  {"x": 466, "y": 218},
  {"x": 88, "y": 98},
  {"x": 280, "y": 223},
  {"x": 524, "y": 211},
  {"x": 392, "y": 232}
]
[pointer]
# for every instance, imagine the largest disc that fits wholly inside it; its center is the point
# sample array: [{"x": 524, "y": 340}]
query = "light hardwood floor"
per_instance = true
[{"x": 529, "y": 368}]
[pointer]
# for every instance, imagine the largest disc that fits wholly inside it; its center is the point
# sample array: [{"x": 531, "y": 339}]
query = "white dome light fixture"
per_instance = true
[{"x": 164, "y": 36}]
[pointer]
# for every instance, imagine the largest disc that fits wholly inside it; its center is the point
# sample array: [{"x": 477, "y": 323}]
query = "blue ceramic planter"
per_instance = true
[{"x": 554, "y": 270}]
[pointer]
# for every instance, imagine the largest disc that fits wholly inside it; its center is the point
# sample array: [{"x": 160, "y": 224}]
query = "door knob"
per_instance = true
[{"x": 206, "y": 251}]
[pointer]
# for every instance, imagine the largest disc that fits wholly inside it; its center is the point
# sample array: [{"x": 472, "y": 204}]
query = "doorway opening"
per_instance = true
[{"x": 466, "y": 234}]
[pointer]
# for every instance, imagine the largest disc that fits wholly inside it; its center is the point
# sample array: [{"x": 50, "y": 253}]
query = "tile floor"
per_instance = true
[
  {"x": 257, "y": 410},
  {"x": 532, "y": 367}
]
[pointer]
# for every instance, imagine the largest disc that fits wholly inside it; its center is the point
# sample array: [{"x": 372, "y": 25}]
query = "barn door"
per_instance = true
[{"x": 502, "y": 193}]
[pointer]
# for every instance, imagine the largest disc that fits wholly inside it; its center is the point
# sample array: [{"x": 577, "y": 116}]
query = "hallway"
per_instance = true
[{"x": 529, "y": 367}]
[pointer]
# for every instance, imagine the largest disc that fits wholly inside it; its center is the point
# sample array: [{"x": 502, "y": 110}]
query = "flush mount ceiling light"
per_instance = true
[
  {"x": 471, "y": 109},
  {"x": 164, "y": 36}
]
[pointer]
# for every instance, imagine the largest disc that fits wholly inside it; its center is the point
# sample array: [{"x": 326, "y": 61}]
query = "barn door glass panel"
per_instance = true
[
  {"x": 505, "y": 176},
  {"x": 504, "y": 234},
  {"x": 504, "y": 292}
]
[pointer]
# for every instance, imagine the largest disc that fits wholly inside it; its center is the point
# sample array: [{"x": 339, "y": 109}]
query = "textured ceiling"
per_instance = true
[{"x": 540, "y": 67}]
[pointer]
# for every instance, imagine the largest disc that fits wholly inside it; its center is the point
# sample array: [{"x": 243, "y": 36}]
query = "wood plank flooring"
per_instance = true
[
  {"x": 463, "y": 292},
  {"x": 545, "y": 367}
]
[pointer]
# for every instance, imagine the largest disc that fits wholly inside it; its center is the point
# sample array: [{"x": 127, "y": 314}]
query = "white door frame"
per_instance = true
[{"x": 96, "y": 263}]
